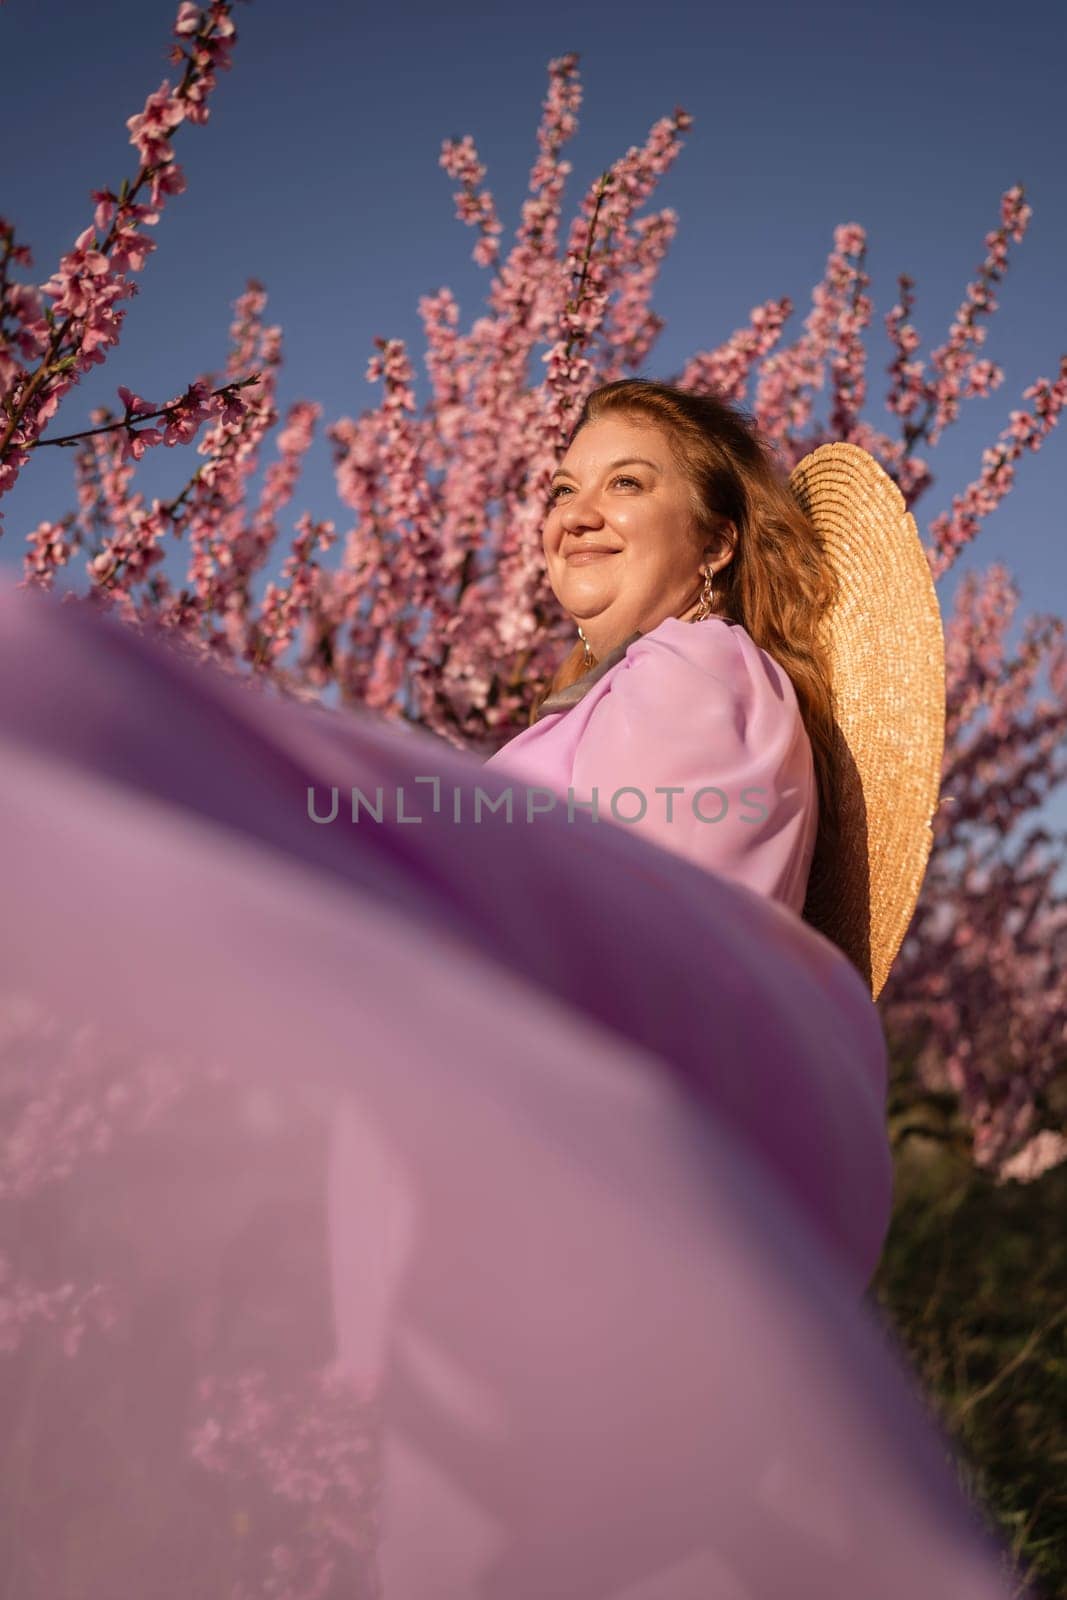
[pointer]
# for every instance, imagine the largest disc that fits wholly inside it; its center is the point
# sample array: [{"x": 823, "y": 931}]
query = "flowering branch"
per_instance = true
[
  {"x": 70, "y": 337},
  {"x": 137, "y": 409}
]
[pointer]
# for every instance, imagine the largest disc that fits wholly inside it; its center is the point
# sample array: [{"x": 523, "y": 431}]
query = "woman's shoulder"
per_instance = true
[
  {"x": 716, "y": 648},
  {"x": 659, "y": 674},
  {"x": 698, "y": 641}
]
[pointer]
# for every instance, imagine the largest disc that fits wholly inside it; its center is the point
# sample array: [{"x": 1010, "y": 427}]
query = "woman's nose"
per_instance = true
[{"x": 581, "y": 511}]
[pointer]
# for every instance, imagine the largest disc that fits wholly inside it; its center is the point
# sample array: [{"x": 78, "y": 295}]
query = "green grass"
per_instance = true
[{"x": 974, "y": 1278}]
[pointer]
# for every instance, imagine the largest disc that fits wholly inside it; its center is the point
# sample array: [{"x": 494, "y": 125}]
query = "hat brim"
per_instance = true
[{"x": 886, "y": 646}]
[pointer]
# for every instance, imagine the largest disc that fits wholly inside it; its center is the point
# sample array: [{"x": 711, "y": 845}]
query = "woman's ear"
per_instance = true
[{"x": 723, "y": 545}]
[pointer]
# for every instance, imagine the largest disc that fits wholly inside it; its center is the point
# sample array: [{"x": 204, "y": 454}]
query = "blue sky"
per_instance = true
[{"x": 318, "y": 174}]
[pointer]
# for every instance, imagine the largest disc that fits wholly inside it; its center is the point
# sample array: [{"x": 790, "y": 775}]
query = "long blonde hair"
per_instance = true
[{"x": 779, "y": 584}]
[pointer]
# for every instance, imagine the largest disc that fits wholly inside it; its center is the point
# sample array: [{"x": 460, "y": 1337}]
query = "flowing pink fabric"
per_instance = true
[
  {"x": 695, "y": 740},
  {"x": 441, "y": 1208}
]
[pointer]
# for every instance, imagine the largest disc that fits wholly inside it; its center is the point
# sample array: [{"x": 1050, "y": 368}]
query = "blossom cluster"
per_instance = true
[
  {"x": 65, "y": 1099},
  {"x": 314, "y": 1448},
  {"x": 977, "y": 998},
  {"x": 51, "y": 346}
]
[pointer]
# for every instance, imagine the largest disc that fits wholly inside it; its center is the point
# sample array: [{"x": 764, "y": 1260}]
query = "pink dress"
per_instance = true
[
  {"x": 694, "y": 739},
  {"x": 430, "y": 1203}
]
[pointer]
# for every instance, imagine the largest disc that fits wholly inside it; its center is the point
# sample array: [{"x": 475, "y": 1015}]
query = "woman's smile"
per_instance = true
[{"x": 579, "y": 558}]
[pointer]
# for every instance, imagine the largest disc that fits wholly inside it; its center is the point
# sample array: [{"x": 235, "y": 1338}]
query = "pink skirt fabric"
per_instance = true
[{"x": 428, "y": 1208}]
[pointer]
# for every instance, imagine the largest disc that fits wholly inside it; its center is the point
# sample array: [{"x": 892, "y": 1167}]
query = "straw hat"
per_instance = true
[{"x": 887, "y": 657}]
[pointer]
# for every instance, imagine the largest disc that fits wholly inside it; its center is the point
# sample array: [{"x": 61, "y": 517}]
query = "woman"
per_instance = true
[
  {"x": 459, "y": 1209},
  {"x": 665, "y": 512}
]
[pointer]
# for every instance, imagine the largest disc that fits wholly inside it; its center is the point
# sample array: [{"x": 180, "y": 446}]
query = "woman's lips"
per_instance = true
[{"x": 580, "y": 557}]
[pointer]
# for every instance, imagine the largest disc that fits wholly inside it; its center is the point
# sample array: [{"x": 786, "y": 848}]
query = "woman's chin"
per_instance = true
[{"x": 586, "y": 597}]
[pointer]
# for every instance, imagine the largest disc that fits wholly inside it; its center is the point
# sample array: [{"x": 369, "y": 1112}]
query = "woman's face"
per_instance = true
[{"x": 621, "y": 541}]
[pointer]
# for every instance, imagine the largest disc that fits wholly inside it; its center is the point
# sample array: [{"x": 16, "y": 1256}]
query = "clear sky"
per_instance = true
[{"x": 318, "y": 173}]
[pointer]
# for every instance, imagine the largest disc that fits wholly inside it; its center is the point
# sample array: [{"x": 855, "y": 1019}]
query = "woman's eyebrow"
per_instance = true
[{"x": 623, "y": 461}]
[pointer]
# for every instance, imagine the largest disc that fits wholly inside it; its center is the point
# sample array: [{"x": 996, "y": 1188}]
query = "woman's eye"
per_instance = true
[{"x": 559, "y": 489}]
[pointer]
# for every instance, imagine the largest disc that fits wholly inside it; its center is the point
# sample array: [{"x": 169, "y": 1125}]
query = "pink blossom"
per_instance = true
[
  {"x": 51, "y": 547},
  {"x": 135, "y": 406},
  {"x": 1044, "y": 1151},
  {"x": 188, "y": 19},
  {"x": 150, "y": 129}
]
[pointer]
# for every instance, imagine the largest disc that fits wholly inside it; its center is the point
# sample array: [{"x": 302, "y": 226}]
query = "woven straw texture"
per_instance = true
[{"x": 888, "y": 661}]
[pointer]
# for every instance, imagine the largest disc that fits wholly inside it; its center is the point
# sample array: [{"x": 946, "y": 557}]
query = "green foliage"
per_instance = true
[{"x": 974, "y": 1279}]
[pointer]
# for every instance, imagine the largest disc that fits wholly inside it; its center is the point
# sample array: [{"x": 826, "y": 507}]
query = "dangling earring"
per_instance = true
[
  {"x": 588, "y": 652},
  {"x": 707, "y": 596}
]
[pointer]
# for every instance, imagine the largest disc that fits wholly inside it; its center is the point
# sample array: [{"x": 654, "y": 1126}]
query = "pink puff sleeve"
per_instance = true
[{"x": 697, "y": 737}]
